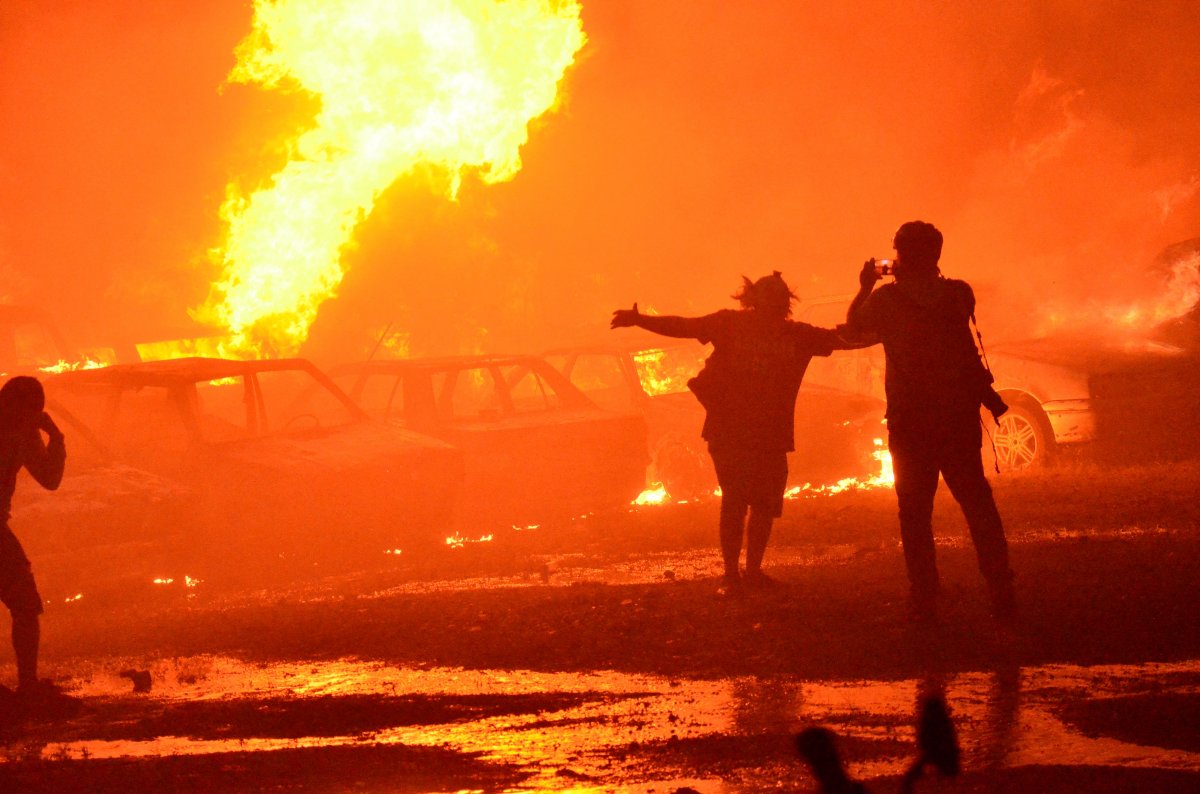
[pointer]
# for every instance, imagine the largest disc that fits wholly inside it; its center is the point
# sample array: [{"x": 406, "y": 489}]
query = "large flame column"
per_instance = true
[{"x": 401, "y": 83}]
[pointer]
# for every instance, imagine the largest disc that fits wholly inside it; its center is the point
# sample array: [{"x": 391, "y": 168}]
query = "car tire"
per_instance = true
[{"x": 1021, "y": 439}]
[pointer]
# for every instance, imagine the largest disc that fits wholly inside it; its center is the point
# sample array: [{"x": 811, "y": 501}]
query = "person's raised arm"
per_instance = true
[
  {"x": 867, "y": 278},
  {"x": 678, "y": 327},
  {"x": 46, "y": 462}
]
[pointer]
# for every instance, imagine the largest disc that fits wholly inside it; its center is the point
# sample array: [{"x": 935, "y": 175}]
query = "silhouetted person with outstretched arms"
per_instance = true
[
  {"x": 748, "y": 388},
  {"x": 935, "y": 384},
  {"x": 23, "y": 420}
]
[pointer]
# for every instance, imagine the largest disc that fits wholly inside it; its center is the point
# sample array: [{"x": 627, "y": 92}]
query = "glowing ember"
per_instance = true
[
  {"x": 653, "y": 496},
  {"x": 164, "y": 580},
  {"x": 457, "y": 541},
  {"x": 449, "y": 83}
]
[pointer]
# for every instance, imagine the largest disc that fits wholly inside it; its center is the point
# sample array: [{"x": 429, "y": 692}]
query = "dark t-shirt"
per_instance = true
[
  {"x": 758, "y": 364},
  {"x": 933, "y": 367}
]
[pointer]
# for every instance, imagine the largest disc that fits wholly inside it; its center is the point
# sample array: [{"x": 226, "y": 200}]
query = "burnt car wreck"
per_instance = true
[
  {"x": 534, "y": 447},
  {"x": 257, "y": 459}
]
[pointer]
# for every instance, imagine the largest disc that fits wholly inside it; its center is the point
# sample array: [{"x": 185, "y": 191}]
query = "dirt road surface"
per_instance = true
[{"x": 596, "y": 656}]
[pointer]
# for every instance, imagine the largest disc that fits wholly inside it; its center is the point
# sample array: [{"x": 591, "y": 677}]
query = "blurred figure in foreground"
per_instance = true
[
  {"x": 748, "y": 388},
  {"x": 935, "y": 384},
  {"x": 23, "y": 419},
  {"x": 937, "y": 747}
]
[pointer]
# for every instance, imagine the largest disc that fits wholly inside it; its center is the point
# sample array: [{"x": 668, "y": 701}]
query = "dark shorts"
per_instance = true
[
  {"x": 18, "y": 591},
  {"x": 752, "y": 477}
]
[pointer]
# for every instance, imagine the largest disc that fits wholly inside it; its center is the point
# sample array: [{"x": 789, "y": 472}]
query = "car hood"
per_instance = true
[
  {"x": 346, "y": 448},
  {"x": 1091, "y": 355}
]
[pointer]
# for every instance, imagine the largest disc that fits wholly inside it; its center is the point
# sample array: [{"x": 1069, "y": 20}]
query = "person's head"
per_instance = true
[
  {"x": 769, "y": 295},
  {"x": 918, "y": 248},
  {"x": 22, "y": 400}
]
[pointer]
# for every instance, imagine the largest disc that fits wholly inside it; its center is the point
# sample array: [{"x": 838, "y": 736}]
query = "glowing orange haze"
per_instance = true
[
  {"x": 453, "y": 85},
  {"x": 1052, "y": 140}
]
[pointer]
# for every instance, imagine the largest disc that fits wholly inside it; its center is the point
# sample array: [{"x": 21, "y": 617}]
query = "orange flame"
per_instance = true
[
  {"x": 667, "y": 371},
  {"x": 87, "y": 362},
  {"x": 1181, "y": 294},
  {"x": 449, "y": 83},
  {"x": 884, "y": 478}
]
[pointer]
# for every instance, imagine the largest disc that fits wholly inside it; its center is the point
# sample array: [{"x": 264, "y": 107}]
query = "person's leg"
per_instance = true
[
  {"x": 770, "y": 479},
  {"x": 731, "y": 476},
  {"x": 26, "y": 635},
  {"x": 18, "y": 592},
  {"x": 963, "y": 471},
  {"x": 916, "y": 471},
  {"x": 758, "y": 534},
  {"x": 732, "y": 523}
]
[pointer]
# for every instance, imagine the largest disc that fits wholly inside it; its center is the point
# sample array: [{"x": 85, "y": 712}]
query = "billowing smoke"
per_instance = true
[{"x": 1054, "y": 143}]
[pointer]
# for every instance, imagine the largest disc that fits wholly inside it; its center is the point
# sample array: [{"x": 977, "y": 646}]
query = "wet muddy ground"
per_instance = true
[{"x": 595, "y": 656}]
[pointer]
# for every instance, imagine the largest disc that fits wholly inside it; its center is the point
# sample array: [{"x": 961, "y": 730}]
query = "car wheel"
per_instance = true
[{"x": 1022, "y": 439}]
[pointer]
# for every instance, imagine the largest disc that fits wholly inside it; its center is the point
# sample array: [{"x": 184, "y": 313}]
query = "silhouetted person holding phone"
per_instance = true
[
  {"x": 935, "y": 384},
  {"x": 23, "y": 419},
  {"x": 748, "y": 388}
]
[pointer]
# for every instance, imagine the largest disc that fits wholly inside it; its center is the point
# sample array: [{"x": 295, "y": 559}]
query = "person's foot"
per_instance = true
[
  {"x": 757, "y": 580},
  {"x": 1004, "y": 603},
  {"x": 47, "y": 698},
  {"x": 731, "y": 586},
  {"x": 922, "y": 609}
]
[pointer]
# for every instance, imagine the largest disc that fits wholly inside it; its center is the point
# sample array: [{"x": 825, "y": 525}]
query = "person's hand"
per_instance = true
[
  {"x": 46, "y": 424},
  {"x": 868, "y": 275},
  {"x": 624, "y": 318}
]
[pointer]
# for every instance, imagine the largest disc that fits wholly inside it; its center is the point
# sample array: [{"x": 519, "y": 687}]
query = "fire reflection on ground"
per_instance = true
[{"x": 609, "y": 730}]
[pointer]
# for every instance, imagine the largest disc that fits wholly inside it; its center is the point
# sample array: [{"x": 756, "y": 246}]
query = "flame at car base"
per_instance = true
[
  {"x": 448, "y": 84},
  {"x": 884, "y": 477}
]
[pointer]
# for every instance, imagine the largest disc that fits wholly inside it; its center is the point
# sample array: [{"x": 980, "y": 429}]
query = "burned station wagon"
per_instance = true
[
  {"x": 534, "y": 446},
  {"x": 279, "y": 460}
]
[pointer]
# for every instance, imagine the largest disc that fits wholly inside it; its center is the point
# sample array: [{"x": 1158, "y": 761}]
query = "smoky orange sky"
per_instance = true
[{"x": 1055, "y": 143}]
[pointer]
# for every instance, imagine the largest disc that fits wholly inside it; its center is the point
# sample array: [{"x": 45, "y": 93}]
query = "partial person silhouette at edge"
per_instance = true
[
  {"x": 23, "y": 419},
  {"x": 748, "y": 388},
  {"x": 935, "y": 383}
]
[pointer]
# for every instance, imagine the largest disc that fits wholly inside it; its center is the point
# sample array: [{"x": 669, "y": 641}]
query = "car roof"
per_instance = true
[
  {"x": 441, "y": 362},
  {"x": 180, "y": 370},
  {"x": 630, "y": 346}
]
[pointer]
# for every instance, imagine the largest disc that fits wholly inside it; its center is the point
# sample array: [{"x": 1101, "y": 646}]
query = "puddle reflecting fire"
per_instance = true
[{"x": 547, "y": 722}]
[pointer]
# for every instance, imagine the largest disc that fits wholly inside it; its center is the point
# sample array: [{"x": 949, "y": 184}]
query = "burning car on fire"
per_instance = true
[
  {"x": 534, "y": 446},
  {"x": 834, "y": 428},
  {"x": 259, "y": 457}
]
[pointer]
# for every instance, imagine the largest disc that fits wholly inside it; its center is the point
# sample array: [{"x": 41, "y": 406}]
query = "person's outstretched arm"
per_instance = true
[
  {"x": 678, "y": 327},
  {"x": 46, "y": 461}
]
